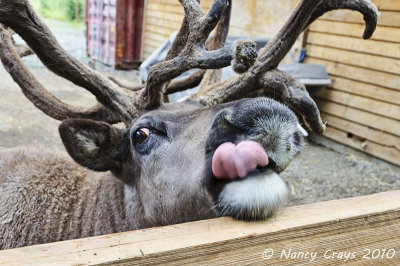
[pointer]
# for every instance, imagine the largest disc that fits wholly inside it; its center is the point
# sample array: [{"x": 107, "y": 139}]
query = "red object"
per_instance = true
[{"x": 114, "y": 32}]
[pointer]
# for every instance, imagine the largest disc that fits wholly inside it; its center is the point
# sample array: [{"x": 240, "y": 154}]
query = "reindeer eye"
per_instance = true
[{"x": 140, "y": 135}]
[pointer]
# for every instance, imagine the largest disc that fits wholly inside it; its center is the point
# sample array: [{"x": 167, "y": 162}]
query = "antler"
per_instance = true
[
  {"x": 263, "y": 74},
  {"x": 36, "y": 92},
  {"x": 20, "y": 17},
  {"x": 189, "y": 50}
]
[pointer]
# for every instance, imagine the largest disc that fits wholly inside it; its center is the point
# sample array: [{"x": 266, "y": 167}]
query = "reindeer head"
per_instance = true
[{"x": 210, "y": 155}]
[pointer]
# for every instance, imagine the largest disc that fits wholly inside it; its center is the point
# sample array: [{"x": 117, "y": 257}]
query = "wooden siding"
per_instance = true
[
  {"x": 362, "y": 106},
  {"x": 252, "y": 18}
]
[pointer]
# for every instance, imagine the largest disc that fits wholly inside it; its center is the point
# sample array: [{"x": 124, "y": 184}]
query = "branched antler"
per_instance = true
[
  {"x": 365, "y": 7},
  {"x": 263, "y": 73},
  {"x": 36, "y": 92},
  {"x": 191, "y": 39},
  {"x": 189, "y": 50},
  {"x": 217, "y": 41},
  {"x": 21, "y": 49},
  {"x": 20, "y": 17}
]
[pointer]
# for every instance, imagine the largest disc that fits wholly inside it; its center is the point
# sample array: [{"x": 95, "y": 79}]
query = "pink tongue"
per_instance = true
[{"x": 233, "y": 161}]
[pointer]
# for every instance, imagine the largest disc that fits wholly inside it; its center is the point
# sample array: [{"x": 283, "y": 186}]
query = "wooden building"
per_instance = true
[
  {"x": 252, "y": 18},
  {"x": 362, "y": 106}
]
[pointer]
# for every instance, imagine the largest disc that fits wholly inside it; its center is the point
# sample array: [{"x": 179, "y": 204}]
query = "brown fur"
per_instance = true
[{"x": 58, "y": 200}]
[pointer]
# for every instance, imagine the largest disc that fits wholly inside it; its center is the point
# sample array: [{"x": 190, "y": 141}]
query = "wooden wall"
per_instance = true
[
  {"x": 362, "y": 106},
  {"x": 253, "y": 18}
]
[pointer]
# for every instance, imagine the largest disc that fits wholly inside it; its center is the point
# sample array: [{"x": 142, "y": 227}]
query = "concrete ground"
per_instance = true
[{"x": 325, "y": 170}]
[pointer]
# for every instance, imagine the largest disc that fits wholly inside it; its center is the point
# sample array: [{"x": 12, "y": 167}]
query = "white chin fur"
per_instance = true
[{"x": 253, "y": 198}]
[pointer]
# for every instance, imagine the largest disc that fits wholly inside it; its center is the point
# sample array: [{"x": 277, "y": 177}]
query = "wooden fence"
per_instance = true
[{"x": 366, "y": 228}]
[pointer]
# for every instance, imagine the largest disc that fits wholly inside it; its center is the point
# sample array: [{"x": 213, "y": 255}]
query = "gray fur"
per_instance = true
[{"x": 46, "y": 197}]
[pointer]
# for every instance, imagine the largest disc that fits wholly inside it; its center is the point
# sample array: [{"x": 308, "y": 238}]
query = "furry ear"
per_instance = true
[{"x": 95, "y": 145}]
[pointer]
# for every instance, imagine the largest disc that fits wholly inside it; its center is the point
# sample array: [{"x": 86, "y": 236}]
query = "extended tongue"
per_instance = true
[{"x": 234, "y": 161}]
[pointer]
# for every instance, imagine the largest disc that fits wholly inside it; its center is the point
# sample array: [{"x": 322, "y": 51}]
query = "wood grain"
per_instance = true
[
  {"x": 361, "y": 117},
  {"x": 361, "y": 131},
  {"x": 369, "y": 105},
  {"x": 387, "y": 4},
  {"x": 369, "y": 76},
  {"x": 364, "y": 89},
  {"x": 352, "y": 224},
  {"x": 390, "y": 154},
  {"x": 355, "y": 44},
  {"x": 389, "y": 34},
  {"x": 378, "y": 63},
  {"x": 388, "y": 18}
]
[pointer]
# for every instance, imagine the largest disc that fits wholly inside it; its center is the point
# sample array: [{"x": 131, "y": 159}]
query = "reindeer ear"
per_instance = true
[{"x": 95, "y": 145}]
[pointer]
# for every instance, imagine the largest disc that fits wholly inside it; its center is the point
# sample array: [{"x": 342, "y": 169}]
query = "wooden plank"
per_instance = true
[
  {"x": 361, "y": 131},
  {"x": 378, "y": 63},
  {"x": 205, "y": 4},
  {"x": 164, "y": 15},
  {"x": 370, "y": 105},
  {"x": 155, "y": 38},
  {"x": 366, "y": 90},
  {"x": 173, "y": 24},
  {"x": 355, "y": 44},
  {"x": 165, "y": 8},
  {"x": 361, "y": 117},
  {"x": 387, "y": 4},
  {"x": 173, "y": 19},
  {"x": 171, "y": 7},
  {"x": 359, "y": 74},
  {"x": 164, "y": 31},
  {"x": 390, "y": 154},
  {"x": 149, "y": 50},
  {"x": 389, "y": 34},
  {"x": 352, "y": 224},
  {"x": 387, "y": 18}
]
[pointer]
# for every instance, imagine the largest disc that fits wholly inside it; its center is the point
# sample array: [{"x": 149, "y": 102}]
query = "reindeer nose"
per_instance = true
[{"x": 237, "y": 161}]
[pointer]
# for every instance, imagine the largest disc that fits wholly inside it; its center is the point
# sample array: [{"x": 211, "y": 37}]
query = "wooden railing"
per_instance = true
[{"x": 360, "y": 230}]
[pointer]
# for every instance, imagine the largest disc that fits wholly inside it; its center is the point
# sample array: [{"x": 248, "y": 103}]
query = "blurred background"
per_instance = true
[{"x": 64, "y": 10}]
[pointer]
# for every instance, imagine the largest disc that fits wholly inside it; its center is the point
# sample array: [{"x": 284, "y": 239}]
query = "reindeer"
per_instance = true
[{"x": 215, "y": 154}]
